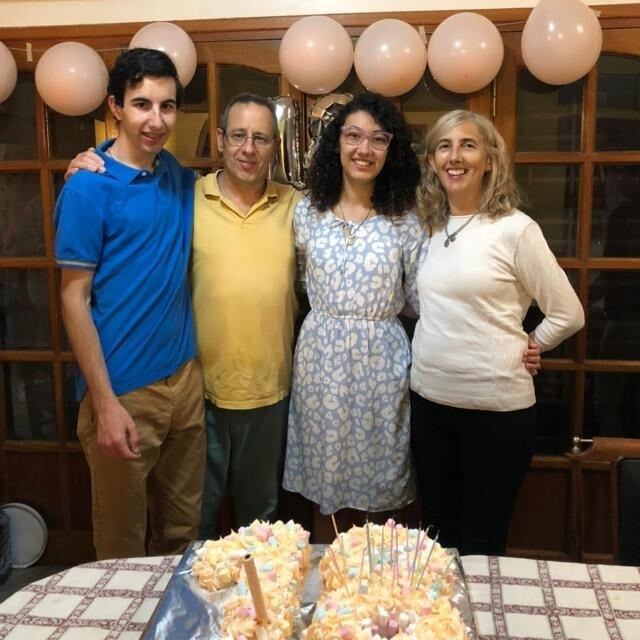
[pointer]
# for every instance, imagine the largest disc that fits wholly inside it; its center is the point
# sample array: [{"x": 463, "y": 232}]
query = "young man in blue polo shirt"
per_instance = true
[{"x": 123, "y": 241}]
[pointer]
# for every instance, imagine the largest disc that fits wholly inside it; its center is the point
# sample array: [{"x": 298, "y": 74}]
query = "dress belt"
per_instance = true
[{"x": 354, "y": 317}]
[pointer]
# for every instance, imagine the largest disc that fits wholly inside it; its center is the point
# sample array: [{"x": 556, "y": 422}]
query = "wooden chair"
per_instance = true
[{"x": 622, "y": 455}]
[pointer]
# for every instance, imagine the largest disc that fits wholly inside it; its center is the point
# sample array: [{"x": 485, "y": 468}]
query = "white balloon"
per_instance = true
[
  {"x": 390, "y": 57},
  {"x": 8, "y": 72},
  {"x": 561, "y": 41},
  {"x": 174, "y": 41},
  {"x": 465, "y": 52},
  {"x": 316, "y": 54},
  {"x": 72, "y": 78}
]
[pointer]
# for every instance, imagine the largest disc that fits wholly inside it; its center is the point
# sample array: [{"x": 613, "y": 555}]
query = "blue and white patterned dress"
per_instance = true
[{"x": 348, "y": 438}]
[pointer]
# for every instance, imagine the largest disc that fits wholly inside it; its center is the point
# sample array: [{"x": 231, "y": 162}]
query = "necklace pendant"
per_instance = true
[
  {"x": 350, "y": 230},
  {"x": 348, "y": 235},
  {"x": 451, "y": 237}
]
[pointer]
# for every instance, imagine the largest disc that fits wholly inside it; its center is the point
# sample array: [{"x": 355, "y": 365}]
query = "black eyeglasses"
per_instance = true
[
  {"x": 238, "y": 138},
  {"x": 355, "y": 136}
]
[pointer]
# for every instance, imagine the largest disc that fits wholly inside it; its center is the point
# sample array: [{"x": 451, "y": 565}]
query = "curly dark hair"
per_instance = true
[{"x": 395, "y": 186}]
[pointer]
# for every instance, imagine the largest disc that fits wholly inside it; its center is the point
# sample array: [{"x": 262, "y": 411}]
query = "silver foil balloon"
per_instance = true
[
  {"x": 322, "y": 112},
  {"x": 287, "y": 166}
]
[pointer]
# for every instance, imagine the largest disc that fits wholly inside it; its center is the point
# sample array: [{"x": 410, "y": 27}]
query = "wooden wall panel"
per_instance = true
[
  {"x": 597, "y": 543},
  {"x": 539, "y": 525},
  {"x": 79, "y": 487},
  {"x": 70, "y": 548},
  {"x": 34, "y": 478}
]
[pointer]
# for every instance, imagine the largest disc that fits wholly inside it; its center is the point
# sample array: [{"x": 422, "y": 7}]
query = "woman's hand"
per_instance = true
[
  {"x": 88, "y": 160},
  {"x": 531, "y": 357}
]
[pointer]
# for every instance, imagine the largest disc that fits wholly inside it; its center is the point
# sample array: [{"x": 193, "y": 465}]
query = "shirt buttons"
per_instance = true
[{"x": 145, "y": 174}]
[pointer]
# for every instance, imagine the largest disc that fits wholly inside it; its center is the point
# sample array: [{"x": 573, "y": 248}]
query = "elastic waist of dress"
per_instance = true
[{"x": 347, "y": 316}]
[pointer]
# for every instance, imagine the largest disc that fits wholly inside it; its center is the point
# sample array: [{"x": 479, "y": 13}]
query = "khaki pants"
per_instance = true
[{"x": 165, "y": 482}]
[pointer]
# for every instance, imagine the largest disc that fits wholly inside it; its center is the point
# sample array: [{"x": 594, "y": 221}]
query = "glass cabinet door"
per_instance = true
[{"x": 576, "y": 150}]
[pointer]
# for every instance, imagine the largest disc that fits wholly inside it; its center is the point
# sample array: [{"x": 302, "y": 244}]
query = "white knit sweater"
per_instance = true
[{"x": 474, "y": 294}]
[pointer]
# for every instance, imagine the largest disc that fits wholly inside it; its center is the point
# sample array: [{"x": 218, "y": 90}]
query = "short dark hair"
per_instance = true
[
  {"x": 134, "y": 65},
  {"x": 249, "y": 98},
  {"x": 395, "y": 186}
]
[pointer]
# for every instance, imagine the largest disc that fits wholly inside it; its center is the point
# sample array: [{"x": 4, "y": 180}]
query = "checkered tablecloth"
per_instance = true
[
  {"x": 536, "y": 599},
  {"x": 97, "y": 601},
  {"x": 511, "y": 598}
]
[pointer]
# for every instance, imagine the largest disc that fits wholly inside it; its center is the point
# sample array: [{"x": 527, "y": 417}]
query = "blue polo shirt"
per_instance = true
[{"x": 133, "y": 229}]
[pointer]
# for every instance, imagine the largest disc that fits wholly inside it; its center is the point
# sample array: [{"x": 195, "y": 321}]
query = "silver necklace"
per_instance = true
[
  {"x": 451, "y": 237},
  {"x": 348, "y": 232}
]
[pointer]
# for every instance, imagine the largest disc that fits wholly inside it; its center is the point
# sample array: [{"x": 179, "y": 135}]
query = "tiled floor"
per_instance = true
[{"x": 18, "y": 578}]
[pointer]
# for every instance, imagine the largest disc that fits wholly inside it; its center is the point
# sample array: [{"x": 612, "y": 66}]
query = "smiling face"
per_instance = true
[
  {"x": 247, "y": 164},
  {"x": 460, "y": 161},
  {"x": 147, "y": 116},
  {"x": 361, "y": 163}
]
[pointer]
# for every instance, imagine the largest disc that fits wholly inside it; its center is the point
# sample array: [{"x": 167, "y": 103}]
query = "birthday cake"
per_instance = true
[
  {"x": 386, "y": 581},
  {"x": 378, "y": 581},
  {"x": 280, "y": 552}
]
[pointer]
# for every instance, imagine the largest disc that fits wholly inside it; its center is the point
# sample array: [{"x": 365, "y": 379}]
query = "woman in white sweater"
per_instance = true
[{"x": 473, "y": 401}]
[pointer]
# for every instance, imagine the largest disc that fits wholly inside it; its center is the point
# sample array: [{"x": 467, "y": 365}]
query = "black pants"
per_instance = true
[{"x": 470, "y": 465}]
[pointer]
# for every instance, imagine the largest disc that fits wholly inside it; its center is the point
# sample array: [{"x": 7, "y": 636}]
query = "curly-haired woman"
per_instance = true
[
  {"x": 360, "y": 244},
  {"x": 473, "y": 401}
]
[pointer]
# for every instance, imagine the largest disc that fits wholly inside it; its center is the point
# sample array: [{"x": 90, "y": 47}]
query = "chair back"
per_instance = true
[
  {"x": 629, "y": 511},
  {"x": 620, "y": 458}
]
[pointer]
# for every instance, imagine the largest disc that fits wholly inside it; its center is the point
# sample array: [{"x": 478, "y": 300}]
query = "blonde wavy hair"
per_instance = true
[{"x": 500, "y": 195}]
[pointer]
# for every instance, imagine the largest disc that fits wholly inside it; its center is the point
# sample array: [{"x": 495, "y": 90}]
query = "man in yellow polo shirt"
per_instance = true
[{"x": 244, "y": 307}]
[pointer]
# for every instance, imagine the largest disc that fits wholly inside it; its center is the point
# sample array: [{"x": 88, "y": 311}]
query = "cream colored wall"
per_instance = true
[{"x": 62, "y": 12}]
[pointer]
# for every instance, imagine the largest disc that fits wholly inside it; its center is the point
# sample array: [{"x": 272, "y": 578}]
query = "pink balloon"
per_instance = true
[
  {"x": 8, "y": 72},
  {"x": 316, "y": 54},
  {"x": 72, "y": 78},
  {"x": 174, "y": 41},
  {"x": 561, "y": 41},
  {"x": 390, "y": 57},
  {"x": 465, "y": 52}
]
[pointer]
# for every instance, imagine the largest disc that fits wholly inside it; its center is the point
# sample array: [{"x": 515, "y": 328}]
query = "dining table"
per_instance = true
[{"x": 510, "y": 597}]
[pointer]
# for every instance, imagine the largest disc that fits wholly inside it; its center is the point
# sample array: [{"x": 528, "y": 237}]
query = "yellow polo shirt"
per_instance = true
[{"x": 243, "y": 298}]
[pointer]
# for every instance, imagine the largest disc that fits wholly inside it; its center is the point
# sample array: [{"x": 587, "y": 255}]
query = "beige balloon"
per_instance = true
[
  {"x": 390, "y": 57},
  {"x": 72, "y": 78},
  {"x": 465, "y": 52},
  {"x": 174, "y": 41},
  {"x": 561, "y": 41},
  {"x": 316, "y": 54},
  {"x": 8, "y": 72}
]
